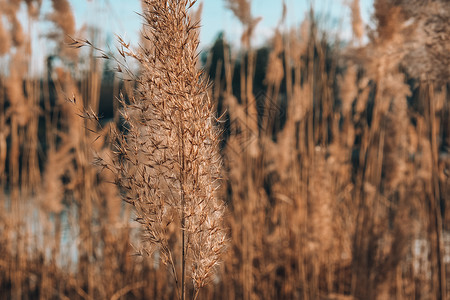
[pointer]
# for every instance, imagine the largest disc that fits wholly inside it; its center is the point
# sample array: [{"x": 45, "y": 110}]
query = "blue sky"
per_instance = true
[{"x": 119, "y": 17}]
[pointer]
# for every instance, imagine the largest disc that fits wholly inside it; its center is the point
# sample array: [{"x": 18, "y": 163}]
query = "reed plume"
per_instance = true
[
  {"x": 64, "y": 20},
  {"x": 357, "y": 22},
  {"x": 168, "y": 159},
  {"x": 4, "y": 37}
]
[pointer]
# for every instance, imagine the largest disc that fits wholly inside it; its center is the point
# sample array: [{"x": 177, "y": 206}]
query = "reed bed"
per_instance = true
[{"x": 303, "y": 169}]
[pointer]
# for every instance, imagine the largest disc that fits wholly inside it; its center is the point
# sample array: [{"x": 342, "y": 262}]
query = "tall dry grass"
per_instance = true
[
  {"x": 168, "y": 161},
  {"x": 334, "y": 161}
]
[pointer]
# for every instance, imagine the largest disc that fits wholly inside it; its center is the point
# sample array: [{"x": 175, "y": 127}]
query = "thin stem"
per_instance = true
[
  {"x": 183, "y": 217},
  {"x": 174, "y": 272},
  {"x": 196, "y": 294}
]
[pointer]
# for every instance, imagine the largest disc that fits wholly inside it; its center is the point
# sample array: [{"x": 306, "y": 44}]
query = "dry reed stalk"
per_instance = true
[
  {"x": 31, "y": 177},
  {"x": 242, "y": 10},
  {"x": 357, "y": 23},
  {"x": 61, "y": 156},
  {"x": 4, "y": 133},
  {"x": 248, "y": 178},
  {"x": 76, "y": 136},
  {"x": 395, "y": 40},
  {"x": 23, "y": 95},
  {"x": 10, "y": 9},
  {"x": 52, "y": 195},
  {"x": 428, "y": 48},
  {"x": 168, "y": 161},
  {"x": 108, "y": 191},
  {"x": 4, "y": 37},
  {"x": 394, "y": 160},
  {"x": 19, "y": 153},
  {"x": 18, "y": 117},
  {"x": 248, "y": 210},
  {"x": 64, "y": 19},
  {"x": 243, "y": 155},
  {"x": 274, "y": 77}
]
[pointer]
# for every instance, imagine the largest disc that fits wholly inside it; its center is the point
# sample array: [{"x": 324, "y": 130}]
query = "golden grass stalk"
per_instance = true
[
  {"x": 168, "y": 160},
  {"x": 357, "y": 22},
  {"x": 4, "y": 38},
  {"x": 64, "y": 19}
]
